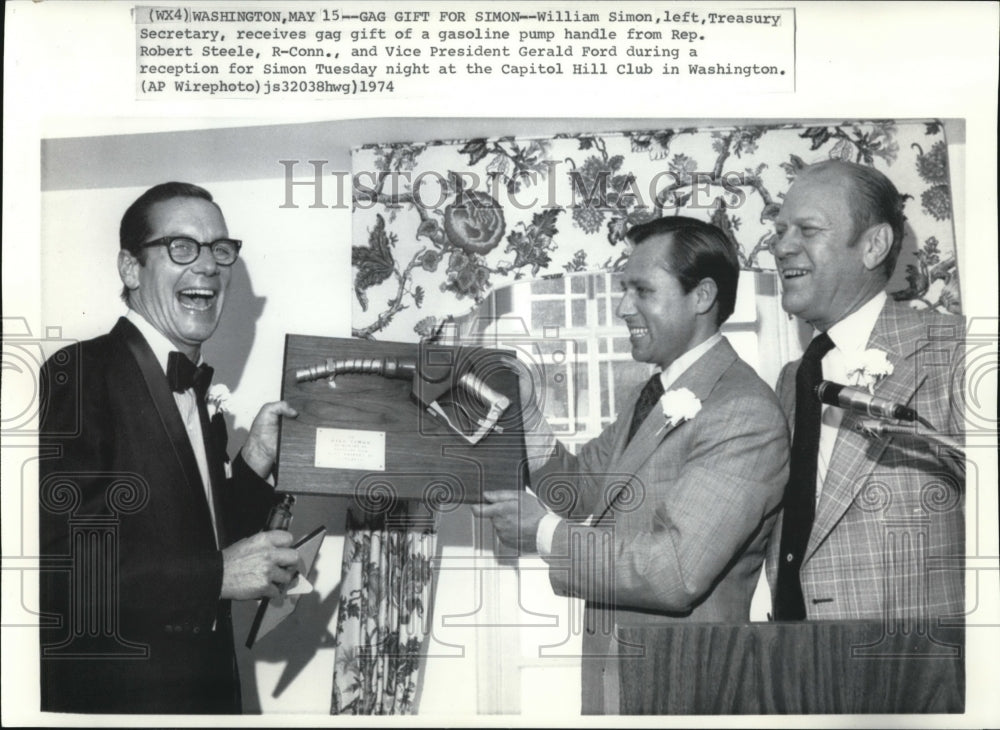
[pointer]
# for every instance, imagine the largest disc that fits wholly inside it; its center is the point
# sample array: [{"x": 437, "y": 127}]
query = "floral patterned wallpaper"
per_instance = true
[{"x": 437, "y": 225}]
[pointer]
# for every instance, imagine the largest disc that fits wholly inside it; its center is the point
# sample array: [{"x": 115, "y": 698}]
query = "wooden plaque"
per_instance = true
[{"x": 369, "y": 438}]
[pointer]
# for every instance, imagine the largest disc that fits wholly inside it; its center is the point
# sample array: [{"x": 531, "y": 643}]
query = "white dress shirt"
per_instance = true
[
  {"x": 548, "y": 524},
  {"x": 186, "y": 404},
  {"x": 850, "y": 339}
]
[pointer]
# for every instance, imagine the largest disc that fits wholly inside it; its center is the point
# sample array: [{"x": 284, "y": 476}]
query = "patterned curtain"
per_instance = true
[
  {"x": 384, "y": 616},
  {"x": 438, "y": 225}
]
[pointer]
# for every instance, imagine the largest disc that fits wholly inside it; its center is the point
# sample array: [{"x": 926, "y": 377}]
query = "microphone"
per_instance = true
[{"x": 861, "y": 401}]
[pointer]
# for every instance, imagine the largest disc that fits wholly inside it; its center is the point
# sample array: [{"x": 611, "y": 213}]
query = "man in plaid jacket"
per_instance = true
[
  {"x": 663, "y": 519},
  {"x": 886, "y": 534}
]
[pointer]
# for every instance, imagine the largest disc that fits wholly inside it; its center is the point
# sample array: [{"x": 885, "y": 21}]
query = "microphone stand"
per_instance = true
[{"x": 881, "y": 429}]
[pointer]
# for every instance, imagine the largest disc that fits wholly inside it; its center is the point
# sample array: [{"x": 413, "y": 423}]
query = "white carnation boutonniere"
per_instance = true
[
  {"x": 678, "y": 406},
  {"x": 869, "y": 370},
  {"x": 217, "y": 399}
]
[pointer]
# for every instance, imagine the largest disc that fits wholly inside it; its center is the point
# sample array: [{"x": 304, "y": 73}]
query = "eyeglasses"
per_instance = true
[{"x": 183, "y": 250}]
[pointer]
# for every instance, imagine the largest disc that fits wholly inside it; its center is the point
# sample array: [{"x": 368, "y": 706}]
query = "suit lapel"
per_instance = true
[
  {"x": 700, "y": 379},
  {"x": 165, "y": 407},
  {"x": 855, "y": 455}
]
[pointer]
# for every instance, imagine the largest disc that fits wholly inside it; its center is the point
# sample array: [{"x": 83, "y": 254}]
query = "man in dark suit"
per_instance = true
[
  {"x": 146, "y": 530},
  {"x": 665, "y": 515},
  {"x": 864, "y": 518}
]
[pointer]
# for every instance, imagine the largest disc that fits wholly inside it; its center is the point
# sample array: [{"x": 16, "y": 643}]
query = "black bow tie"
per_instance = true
[{"x": 183, "y": 375}]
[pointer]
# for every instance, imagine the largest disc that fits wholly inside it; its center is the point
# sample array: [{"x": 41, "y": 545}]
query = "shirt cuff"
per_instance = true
[{"x": 546, "y": 530}]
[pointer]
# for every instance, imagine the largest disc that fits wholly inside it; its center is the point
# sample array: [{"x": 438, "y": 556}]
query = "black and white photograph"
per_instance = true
[{"x": 521, "y": 363}]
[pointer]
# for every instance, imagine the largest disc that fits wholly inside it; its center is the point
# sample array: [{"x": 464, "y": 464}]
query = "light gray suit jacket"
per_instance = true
[
  {"x": 888, "y": 537},
  {"x": 686, "y": 540}
]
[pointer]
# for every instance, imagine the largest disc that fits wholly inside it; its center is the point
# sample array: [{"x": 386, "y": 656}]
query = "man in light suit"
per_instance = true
[
  {"x": 143, "y": 533},
  {"x": 665, "y": 515},
  {"x": 864, "y": 517}
]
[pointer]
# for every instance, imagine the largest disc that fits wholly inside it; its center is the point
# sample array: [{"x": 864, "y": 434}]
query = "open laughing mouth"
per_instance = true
[
  {"x": 788, "y": 274},
  {"x": 197, "y": 298},
  {"x": 636, "y": 333}
]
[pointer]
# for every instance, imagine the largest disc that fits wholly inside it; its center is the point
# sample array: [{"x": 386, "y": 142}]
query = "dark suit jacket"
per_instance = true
[
  {"x": 889, "y": 533},
  {"x": 688, "y": 542},
  {"x": 132, "y": 620}
]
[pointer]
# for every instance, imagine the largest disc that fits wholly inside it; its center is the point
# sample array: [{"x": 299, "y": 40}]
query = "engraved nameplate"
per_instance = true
[{"x": 346, "y": 448}]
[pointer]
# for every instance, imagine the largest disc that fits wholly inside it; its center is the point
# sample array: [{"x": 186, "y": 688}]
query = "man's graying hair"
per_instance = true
[{"x": 873, "y": 198}]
